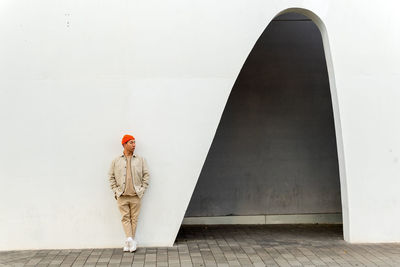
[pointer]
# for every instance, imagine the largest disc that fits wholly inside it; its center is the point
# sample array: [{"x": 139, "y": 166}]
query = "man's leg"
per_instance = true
[
  {"x": 123, "y": 205},
  {"x": 134, "y": 208}
]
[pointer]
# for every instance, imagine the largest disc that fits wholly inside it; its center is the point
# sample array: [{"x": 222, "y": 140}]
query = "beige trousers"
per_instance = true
[{"x": 129, "y": 207}]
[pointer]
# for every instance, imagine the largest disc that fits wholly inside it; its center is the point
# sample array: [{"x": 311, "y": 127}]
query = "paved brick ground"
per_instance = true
[{"x": 264, "y": 245}]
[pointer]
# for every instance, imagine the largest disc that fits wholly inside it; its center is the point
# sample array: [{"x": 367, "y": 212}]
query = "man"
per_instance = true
[{"x": 129, "y": 178}]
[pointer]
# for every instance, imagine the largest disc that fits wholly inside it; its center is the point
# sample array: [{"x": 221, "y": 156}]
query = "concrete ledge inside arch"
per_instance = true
[{"x": 334, "y": 218}]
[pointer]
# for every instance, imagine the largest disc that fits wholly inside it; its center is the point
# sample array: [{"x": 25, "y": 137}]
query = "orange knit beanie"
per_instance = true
[{"x": 126, "y": 138}]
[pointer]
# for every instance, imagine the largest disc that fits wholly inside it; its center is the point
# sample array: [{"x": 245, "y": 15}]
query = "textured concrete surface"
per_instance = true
[{"x": 233, "y": 245}]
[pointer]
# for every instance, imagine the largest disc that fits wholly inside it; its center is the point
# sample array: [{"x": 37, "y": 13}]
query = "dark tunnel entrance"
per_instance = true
[{"x": 274, "y": 155}]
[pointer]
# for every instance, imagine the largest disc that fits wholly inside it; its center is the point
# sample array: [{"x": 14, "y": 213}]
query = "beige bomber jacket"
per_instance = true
[{"x": 117, "y": 174}]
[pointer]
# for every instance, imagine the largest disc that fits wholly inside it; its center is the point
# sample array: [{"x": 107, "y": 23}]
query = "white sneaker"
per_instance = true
[
  {"x": 127, "y": 246},
  {"x": 133, "y": 246}
]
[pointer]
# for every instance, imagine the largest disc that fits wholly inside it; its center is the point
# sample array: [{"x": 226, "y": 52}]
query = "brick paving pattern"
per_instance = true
[{"x": 227, "y": 245}]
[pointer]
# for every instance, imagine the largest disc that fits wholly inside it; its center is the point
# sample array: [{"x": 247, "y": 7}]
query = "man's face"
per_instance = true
[{"x": 130, "y": 145}]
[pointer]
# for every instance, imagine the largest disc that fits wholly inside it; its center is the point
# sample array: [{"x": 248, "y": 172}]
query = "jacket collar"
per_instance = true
[{"x": 123, "y": 155}]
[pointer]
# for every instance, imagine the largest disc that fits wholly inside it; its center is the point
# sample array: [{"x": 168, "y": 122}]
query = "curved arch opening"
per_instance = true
[{"x": 278, "y": 149}]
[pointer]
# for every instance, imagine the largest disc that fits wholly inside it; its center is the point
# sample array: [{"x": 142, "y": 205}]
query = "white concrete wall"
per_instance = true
[{"x": 77, "y": 75}]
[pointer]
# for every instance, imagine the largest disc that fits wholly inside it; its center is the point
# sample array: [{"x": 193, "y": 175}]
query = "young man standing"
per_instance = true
[{"x": 129, "y": 178}]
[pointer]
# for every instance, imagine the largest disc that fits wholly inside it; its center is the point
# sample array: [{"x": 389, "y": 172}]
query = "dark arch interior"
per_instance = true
[{"x": 274, "y": 151}]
